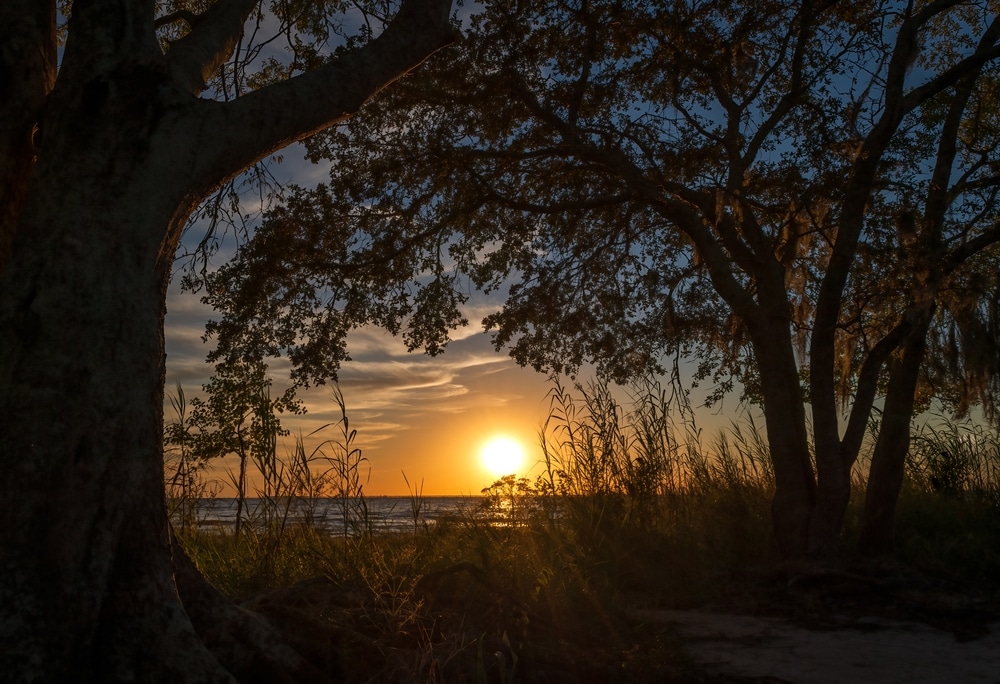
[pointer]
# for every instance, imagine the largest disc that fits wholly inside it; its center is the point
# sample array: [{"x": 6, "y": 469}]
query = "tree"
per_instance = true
[
  {"x": 106, "y": 149},
  {"x": 239, "y": 416},
  {"x": 798, "y": 194}
]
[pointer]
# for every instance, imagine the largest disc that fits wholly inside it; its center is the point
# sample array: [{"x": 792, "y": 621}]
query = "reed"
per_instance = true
[{"x": 634, "y": 506}]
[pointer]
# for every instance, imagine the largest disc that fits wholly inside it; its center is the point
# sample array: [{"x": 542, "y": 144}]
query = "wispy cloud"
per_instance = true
[{"x": 412, "y": 411}]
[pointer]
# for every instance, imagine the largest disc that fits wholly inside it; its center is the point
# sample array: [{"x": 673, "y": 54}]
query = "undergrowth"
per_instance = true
[{"x": 631, "y": 511}]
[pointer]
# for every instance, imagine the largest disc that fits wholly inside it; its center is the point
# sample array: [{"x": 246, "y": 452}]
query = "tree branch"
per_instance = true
[
  {"x": 986, "y": 51},
  {"x": 188, "y": 17},
  {"x": 856, "y": 198},
  {"x": 196, "y": 56},
  {"x": 969, "y": 249},
  {"x": 864, "y": 398},
  {"x": 27, "y": 75},
  {"x": 241, "y": 132}
]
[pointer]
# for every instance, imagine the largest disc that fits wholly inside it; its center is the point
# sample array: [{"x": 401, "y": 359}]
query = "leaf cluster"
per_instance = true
[
  {"x": 318, "y": 277},
  {"x": 645, "y": 179}
]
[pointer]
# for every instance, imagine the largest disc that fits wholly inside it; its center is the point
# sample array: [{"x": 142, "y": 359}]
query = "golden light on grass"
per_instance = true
[{"x": 502, "y": 455}]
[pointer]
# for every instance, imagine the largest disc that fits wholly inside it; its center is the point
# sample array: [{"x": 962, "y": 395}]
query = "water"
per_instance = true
[{"x": 383, "y": 513}]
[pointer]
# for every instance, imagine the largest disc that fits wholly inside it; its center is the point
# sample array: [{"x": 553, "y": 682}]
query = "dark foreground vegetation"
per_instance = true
[{"x": 629, "y": 513}]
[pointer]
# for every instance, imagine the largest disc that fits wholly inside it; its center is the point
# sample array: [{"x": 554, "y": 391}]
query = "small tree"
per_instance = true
[{"x": 239, "y": 416}]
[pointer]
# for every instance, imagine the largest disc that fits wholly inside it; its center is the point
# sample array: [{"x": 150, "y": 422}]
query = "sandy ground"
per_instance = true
[{"x": 864, "y": 650}]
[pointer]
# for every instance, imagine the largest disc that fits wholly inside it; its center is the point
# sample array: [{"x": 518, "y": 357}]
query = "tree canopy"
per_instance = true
[{"x": 800, "y": 195}]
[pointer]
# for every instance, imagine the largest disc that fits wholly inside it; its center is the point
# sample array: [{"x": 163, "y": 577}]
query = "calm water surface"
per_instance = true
[{"x": 382, "y": 513}]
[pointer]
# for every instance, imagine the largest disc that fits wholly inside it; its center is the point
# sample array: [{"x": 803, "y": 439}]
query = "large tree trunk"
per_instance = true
[
  {"x": 833, "y": 494},
  {"x": 88, "y": 590},
  {"x": 87, "y": 580},
  {"x": 832, "y": 499}
]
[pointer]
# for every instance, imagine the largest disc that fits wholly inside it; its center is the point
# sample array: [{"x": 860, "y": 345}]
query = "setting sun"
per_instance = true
[{"x": 502, "y": 456}]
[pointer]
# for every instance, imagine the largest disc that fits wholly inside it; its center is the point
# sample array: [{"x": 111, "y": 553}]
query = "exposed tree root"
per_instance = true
[{"x": 243, "y": 641}]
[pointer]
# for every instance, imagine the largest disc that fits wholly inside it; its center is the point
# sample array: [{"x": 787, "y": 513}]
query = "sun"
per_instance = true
[{"x": 501, "y": 456}]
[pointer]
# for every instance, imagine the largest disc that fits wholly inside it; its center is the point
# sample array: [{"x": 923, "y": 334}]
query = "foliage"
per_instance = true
[
  {"x": 323, "y": 278},
  {"x": 607, "y": 143},
  {"x": 799, "y": 196},
  {"x": 552, "y": 593},
  {"x": 509, "y": 501}
]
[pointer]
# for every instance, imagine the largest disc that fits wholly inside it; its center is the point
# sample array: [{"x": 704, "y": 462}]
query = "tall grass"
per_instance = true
[
  {"x": 634, "y": 506},
  {"x": 278, "y": 536},
  {"x": 644, "y": 465},
  {"x": 349, "y": 472},
  {"x": 956, "y": 459},
  {"x": 948, "y": 519},
  {"x": 184, "y": 468}
]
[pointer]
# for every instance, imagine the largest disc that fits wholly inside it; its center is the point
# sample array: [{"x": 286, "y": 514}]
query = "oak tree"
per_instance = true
[
  {"x": 109, "y": 141},
  {"x": 800, "y": 195}
]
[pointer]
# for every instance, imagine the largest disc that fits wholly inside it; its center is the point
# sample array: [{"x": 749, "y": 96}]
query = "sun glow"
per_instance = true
[{"x": 501, "y": 456}]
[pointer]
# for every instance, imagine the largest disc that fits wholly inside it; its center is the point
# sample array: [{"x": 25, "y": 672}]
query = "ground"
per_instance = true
[
  {"x": 873, "y": 624},
  {"x": 741, "y": 648},
  {"x": 879, "y": 624}
]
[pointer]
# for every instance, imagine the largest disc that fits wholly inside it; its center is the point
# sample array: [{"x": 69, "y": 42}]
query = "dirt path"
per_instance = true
[{"x": 859, "y": 651}]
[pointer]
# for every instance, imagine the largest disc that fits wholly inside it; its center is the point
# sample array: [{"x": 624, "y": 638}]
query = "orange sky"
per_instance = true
[{"x": 426, "y": 416}]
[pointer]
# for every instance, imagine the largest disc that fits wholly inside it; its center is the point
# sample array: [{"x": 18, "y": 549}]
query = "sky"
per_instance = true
[
  {"x": 429, "y": 417},
  {"x": 426, "y": 416}
]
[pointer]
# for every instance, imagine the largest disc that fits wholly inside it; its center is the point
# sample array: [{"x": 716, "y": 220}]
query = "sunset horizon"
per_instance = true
[{"x": 427, "y": 417}]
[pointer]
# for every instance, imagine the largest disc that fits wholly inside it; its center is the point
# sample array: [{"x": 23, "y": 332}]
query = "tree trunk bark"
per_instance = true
[
  {"x": 122, "y": 152},
  {"x": 27, "y": 73},
  {"x": 885, "y": 478},
  {"x": 88, "y": 591},
  {"x": 833, "y": 494},
  {"x": 784, "y": 415}
]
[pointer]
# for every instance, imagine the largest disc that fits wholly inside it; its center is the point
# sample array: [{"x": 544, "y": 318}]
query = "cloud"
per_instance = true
[{"x": 411, "y": 411}]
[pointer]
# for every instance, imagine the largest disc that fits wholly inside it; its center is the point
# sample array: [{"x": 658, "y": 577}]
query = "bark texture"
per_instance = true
[{"x": 784, "y": 412}]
